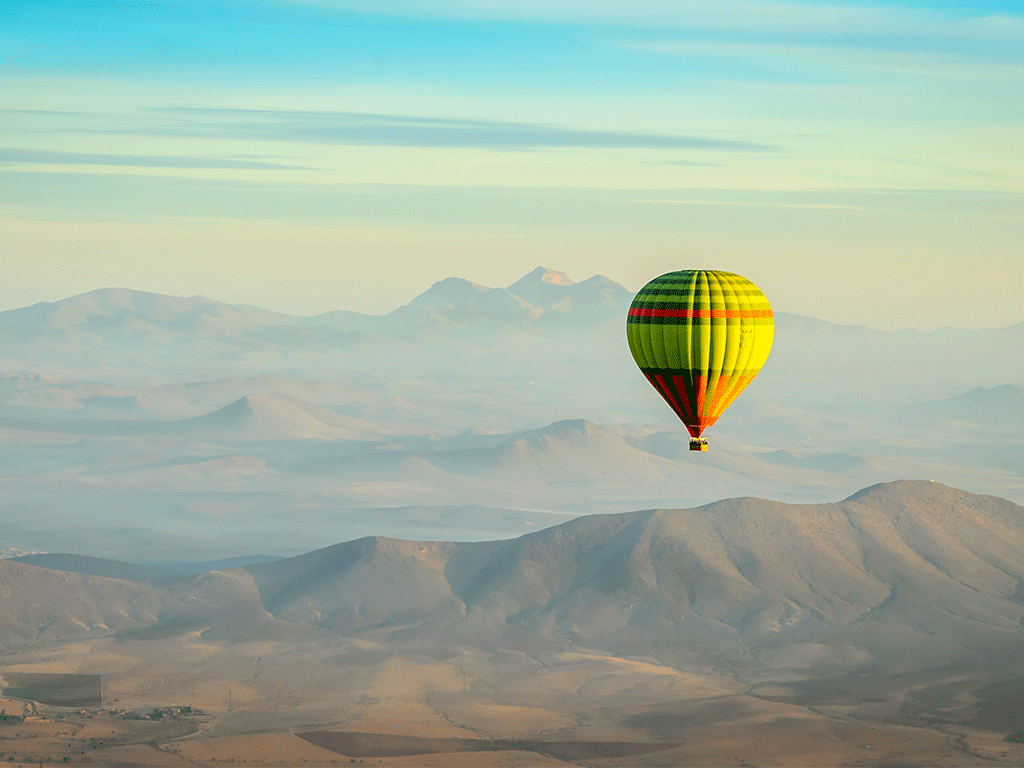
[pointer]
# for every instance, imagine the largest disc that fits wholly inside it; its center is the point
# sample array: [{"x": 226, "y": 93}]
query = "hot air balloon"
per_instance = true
[{"x": 700, "y": 337}]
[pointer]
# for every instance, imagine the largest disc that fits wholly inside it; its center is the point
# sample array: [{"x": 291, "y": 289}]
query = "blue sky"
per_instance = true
[{"x": 855, "y": 160}]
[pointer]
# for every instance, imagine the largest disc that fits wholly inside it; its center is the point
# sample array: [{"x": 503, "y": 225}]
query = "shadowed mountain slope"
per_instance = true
[
  {"x": 93, "y": 566},
  {"x": 41, "y": 604},
  {"x": 1000, "y": 408},
  {"x": 191, "y": 569},
  {"x": 913, "y": 573}
]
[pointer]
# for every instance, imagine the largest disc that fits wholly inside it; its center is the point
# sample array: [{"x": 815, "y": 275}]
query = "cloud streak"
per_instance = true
[
  {"x": 763, "y": 17},
  {"x": 689, "y": 163},
  {"x": 367, "y": 129},
  {"x": 861, "y": 58},
  {"x": 140, "y": 197},
  {"x": 751, "y": 203},
  {"x": 10, "y": 156}
]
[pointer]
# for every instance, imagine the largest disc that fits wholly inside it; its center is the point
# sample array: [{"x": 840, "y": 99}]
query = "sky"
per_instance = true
[{"x": 861, "y": 162}]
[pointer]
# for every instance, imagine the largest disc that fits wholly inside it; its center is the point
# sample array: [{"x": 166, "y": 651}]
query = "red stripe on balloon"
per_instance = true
[
  {"x": 682, "y": 410},
  {"x": 680, "y": 383}
]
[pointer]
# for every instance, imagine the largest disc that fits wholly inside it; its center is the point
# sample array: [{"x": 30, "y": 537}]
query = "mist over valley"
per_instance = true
[
  {"x": 469, "y": 529},
  {"x": 154, "y": 425}
]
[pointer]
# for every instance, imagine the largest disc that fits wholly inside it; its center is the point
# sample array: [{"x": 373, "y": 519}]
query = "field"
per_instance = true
[
  {"x": 392, "y": 714},
  {"x": 66, "y": 690}
]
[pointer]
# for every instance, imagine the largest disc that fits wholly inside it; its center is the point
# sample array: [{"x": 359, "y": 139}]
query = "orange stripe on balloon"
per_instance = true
[
  {"x": 721, "y": 390},
  {"x": 736, "y": 385},
  {"x": 701, "y": 385}
]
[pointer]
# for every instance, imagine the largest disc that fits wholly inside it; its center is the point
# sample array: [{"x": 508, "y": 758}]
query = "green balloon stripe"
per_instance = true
[{"x": 672, "y": 298}]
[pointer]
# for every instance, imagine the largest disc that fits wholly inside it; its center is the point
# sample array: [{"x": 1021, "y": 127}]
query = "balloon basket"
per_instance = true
[{"x": 698, "y": 444}]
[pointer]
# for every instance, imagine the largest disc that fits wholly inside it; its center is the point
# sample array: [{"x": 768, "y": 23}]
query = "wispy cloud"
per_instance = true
[
  {"x": 367, "y": 129},
  {"x": 141, "y": 197},
  {"x": 887, "y": 20},
  {"x": 863, "y": 58},
  {"x": 750, "y": 204},
  {"x": 50, "y": 157},
  {"x": 38, "y": 112},
  {"x": 689, "y": 163}
]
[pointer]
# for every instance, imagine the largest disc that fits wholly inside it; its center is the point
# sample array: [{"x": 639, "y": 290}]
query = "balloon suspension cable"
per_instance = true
[{"x": 698, "y": 444}]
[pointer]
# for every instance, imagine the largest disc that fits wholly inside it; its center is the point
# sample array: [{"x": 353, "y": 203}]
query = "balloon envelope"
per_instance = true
[{"x": 700, "y": 337}]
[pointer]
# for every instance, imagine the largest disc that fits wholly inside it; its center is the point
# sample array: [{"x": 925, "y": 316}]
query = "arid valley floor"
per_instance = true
[
  {"x": 564, "y": 709},
  {"x": 455, "y": 729}
]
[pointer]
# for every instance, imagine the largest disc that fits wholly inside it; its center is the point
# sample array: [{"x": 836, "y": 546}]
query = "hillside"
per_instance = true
[
  {"x": 93, "y": 566},
  {"x": 989, "y": 408},
  {"x": 899, "y": 577},
  {"x": 273, "y": 416},
  {"x": 39, "y": 604},
  {"x": 912, "y": 574}
]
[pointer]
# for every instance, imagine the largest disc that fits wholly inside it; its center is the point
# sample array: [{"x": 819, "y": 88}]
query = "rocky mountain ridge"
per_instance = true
[{"x": 898, "y": 577}]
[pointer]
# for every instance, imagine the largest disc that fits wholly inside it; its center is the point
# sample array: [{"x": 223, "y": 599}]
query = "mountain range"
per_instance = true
[
  {"x": 132, "y": 332},
  {"x": 544, "y": 296},
  {"x": 172, "y": 422},
  {"x": 896, "y": 579}
]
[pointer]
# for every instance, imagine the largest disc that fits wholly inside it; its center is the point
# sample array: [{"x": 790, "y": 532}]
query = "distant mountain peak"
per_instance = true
[
  {"x": 453, "y": 286},
  {"x": 272, "y": 416},
  {"x": 540, "y": 278},
  {"x": 1005, "y": 394},
  {"x": 573, "y": 425},
  {"x": 594, "y": 300},
  {"x": 572, "y": 430},
  {"x": 551, "y": 276}
]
